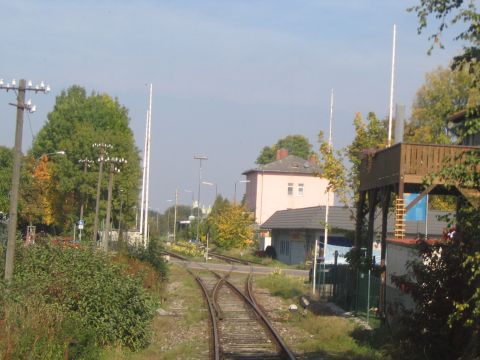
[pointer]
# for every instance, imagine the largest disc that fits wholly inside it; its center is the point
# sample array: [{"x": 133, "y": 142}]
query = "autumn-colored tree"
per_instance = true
[
  {"x": 36, "y": 192},
  {"x": 231, "y": 226}
]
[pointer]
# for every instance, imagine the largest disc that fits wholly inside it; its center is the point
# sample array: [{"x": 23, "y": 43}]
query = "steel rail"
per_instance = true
[
  {"x": 249, "y": 299},
  {"x": 282, "y": 345},
  {"x": 231, "y": 259},
  {"x": 211, "y": 311}
]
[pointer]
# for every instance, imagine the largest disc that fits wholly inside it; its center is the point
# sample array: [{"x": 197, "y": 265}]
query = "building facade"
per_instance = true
[{"x": 290, "y": 182}]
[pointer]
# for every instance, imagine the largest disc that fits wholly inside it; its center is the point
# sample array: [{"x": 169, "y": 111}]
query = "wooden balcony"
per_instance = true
[{"x": 406, "y": 164}]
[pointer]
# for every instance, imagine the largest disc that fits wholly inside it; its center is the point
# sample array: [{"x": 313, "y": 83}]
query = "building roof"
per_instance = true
[
  {"x": 341, "y": 218},
  {"x": 289, "y": 164}
]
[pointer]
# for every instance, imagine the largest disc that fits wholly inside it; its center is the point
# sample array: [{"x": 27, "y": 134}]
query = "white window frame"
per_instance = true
[{"x": 301, "y": 189}]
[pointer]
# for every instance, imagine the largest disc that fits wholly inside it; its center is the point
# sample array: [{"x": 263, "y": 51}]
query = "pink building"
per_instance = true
[{"x": 290, "y": 182}]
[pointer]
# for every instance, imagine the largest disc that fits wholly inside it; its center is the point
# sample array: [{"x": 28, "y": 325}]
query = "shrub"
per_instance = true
[{"x": 88, "y": 294}]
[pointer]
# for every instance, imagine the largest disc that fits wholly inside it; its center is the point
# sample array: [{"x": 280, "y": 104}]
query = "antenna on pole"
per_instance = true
[{"x": 392, "y": 81}]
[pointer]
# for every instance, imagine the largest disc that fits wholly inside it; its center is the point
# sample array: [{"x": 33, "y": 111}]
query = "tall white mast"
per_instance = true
[
  {"x": 144, "y": 174},
  {"x": 147, "y": 181},
  {"x": 392, "y": 81},
  {"x": 325, "y": 235}
]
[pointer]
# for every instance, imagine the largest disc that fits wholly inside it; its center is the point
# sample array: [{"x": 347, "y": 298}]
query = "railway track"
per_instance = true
[{"x": 239, "y": 329}]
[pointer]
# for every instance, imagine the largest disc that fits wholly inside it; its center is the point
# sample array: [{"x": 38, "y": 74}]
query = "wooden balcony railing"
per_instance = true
[{"x": 407, "y": 162}]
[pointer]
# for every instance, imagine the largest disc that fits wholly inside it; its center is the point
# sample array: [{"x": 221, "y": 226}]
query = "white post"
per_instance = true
[
  {"x": 325, "y": 240},
  {"x": 147, "y": 178},
  {"x": 175, "y": 217},
  {"x": 327, "y": 207},
  {"x": 144, "y": 174},
  {"x": 392, "y": 81}
]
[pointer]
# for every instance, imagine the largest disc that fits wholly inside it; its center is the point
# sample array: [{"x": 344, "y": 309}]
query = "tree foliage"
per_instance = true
[
  {"x": 297, "y": 145},
  {"x": 444, "y": 92},
  {"x": 76, "y": 122},
  {"x": 370, "y": 135},
  {"x": 448, "y": 13},
  {"x": 332, "y": 167},
  {"x": 6, "y": 165},
  {"x": 231, "y": 226}
]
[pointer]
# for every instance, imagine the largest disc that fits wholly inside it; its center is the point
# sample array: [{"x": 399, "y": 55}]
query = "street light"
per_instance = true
[
  {"x": 211, "y": 184},
  {"x": 113, "y": 170},
  {"x": 59, "y": 152},
  {"x": 86, "y": 163},
  {"x": 235, "y": 192},
  {"x": 103, "y": 151},
  {"x": 200, "y": 158}
]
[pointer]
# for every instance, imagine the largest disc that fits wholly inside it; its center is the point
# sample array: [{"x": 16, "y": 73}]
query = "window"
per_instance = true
[
  {"x": 284, "y": 247},
  {"x": 290, "y": 189},
  {"x": 300, "y": 190}
]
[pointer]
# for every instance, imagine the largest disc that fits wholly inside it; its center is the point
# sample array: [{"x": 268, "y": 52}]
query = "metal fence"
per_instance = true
[{"x": 352, "y": 290}]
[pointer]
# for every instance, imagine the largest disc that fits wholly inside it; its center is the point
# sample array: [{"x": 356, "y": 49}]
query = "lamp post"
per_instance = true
[
  {"x": 120, "y": 218},
  {"x": 103, "y": 151},
  {"x": 21, "y": 106},
  {"x": 86, "y": 163},
  {"x": 235, "y": 191},
  {"x": 113, "y": 170},
  {"x": 200, "y": 158},
  {"x": 168, "y": 221},
  {"x": 211, "y": 184}
]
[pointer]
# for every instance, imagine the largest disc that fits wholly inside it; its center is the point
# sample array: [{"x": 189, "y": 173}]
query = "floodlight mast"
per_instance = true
[{"x": 21, "y": 106}]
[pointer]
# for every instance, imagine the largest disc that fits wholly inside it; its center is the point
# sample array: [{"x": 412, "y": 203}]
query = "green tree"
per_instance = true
[
  {"x": 295, "y": 144},
  {"x": 6, "y": 162},
  {"x": 444, "y": 92},
  {"x": 370, "y": 135},
  {"x": 76, "y": 122}
]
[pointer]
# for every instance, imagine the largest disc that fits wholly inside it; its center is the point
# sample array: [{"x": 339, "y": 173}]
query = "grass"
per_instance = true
[
  {"x": 321, "y": 334},
  {"x": 283, "y": 286}
]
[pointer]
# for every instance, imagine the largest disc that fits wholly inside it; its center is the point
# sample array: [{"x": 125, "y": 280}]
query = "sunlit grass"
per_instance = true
[
  {"x": 324, "y": 336},
  {"x": 283, "y": 286}
]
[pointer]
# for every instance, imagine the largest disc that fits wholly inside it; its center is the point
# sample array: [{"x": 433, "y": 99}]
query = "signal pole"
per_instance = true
[{"x": 21, "y": 106}]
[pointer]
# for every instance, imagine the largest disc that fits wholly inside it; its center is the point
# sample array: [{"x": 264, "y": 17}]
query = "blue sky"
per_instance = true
[{"x": 229, "y": 76}]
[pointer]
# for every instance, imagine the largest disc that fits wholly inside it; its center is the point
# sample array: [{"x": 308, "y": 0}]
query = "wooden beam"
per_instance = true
[{"x": 420, "y": 197}]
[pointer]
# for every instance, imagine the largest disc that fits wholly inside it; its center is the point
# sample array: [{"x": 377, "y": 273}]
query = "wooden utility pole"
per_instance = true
[{"x": 17, "y": 158}]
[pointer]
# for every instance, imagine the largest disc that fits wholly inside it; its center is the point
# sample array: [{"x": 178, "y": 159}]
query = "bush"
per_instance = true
[
  {"x": 152, "y": 255},
  {"x": 90, "y": 300}
]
